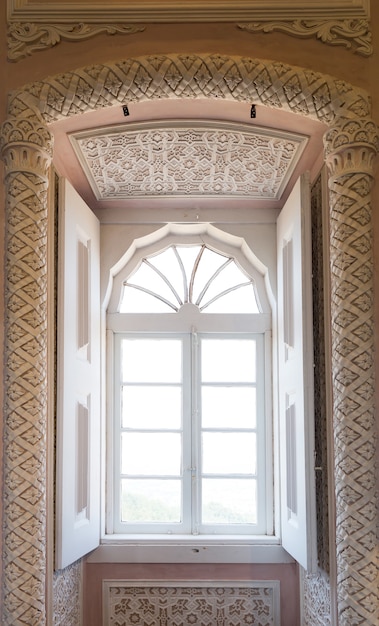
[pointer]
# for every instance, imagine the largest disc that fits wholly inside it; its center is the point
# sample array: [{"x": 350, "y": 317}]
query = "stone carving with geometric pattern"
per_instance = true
[
  {"x": 316, "y": 604},
  {"x": 271, "y": 83},
  {"x": 350, "y": 148},
  {"x": 201, "y": 604},
  {"x": 27, "y": 151},
  {"x": 187, "y": 158},
  {"x": 66, "y": 596}
]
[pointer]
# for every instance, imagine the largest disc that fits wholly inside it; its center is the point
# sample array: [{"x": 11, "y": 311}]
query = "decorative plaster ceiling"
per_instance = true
[{"x": 191, "y": 158}]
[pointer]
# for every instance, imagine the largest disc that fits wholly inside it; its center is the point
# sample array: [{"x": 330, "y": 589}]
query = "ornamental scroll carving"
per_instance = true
[
  {"x": 25, "y": 38},
  {"x": 353, "y": 34},
  {"x": 351, "y": 144}
]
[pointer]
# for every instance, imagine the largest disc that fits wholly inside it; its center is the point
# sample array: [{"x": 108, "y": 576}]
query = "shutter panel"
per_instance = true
[
  {"x": 78, "y": 380},
  {"x": 295, "y": 361}
]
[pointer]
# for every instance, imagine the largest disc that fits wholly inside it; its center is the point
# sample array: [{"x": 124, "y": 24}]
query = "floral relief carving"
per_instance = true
[
  {"x": 353, "y": 34},
  {"x": 351, "y": 144}
]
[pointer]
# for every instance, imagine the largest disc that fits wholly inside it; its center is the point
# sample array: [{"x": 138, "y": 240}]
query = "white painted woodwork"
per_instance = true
[
  {"x": 78, "y": 380},
  {"x": 295, "y": 360}
]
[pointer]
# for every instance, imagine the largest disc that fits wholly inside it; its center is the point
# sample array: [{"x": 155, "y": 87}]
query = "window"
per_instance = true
[
  {"x": 193, "y": 292},
  {"x": 190, "y": 412}
]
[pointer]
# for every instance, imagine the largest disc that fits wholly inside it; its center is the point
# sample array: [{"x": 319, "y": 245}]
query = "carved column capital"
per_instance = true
[
  {"x": 26, "y": 145},
  {"x": 351, "y": 147}
]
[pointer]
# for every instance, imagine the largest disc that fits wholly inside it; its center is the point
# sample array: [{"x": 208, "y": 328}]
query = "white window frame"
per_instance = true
[{"x": 191, "y": 525}]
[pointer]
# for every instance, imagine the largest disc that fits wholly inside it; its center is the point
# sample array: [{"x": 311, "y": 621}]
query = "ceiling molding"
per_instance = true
[{"x": 148, "y": 11}]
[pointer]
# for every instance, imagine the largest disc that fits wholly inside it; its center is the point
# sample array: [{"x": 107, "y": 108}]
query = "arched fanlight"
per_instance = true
[{"x": 192, "y": 274}]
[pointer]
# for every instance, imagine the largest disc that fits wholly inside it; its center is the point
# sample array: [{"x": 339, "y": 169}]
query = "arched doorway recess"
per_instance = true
[{"x": 351, "y": 144}]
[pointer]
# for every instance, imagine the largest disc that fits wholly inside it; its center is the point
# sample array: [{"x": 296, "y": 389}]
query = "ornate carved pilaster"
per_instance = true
[
  {"x": 26, "y": 147},
  {"x": 350, "y": 153}
]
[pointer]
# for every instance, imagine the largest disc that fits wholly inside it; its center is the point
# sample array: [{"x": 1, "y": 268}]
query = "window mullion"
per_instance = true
[{"x": 195, "y": 428}]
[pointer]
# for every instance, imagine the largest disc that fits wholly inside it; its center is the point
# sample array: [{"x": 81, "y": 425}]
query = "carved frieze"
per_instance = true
[
  {"x": 353, "y": 34},
  {"x": 39, "y": 26}
]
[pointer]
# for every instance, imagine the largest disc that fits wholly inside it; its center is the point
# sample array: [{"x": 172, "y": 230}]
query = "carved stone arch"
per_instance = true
[{"x": 351, "y": 144}]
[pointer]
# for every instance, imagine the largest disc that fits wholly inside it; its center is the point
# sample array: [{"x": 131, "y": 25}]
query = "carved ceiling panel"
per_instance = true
[{"x": 191, "y": 159}]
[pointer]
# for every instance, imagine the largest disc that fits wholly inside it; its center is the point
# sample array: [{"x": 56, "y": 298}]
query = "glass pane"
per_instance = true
[
  {"x": 229, "y": 453},
  {"x": 229, "y": 501},
  {"x": 228, "y": 407},
  {"x": 210, "y": 262},
  {"x": 147, "y": 278},
  {"x": 230, "y": 276},
  {"x": 152, "y": 360},
  {"x": 168, "y": 264},
  {"x": 151, "y": 407},
  {"x": 241, "y": 300},
  {"x": 228, "y": 360},
  {"x": 151, "y": 454},
  {"x": 137, "y": 301},
  {"x": 151, "y": 500}
]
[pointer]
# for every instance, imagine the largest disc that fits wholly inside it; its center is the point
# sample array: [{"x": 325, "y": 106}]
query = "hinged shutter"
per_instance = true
[
  {"x": 295, "y": 360},
  {"x": 78, "y": 380}
]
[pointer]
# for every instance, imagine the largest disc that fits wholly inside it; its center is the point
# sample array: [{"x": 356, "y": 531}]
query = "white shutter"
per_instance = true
[
  {"x": 295, "y": 360},
  {"x": 78, "y": 380}
]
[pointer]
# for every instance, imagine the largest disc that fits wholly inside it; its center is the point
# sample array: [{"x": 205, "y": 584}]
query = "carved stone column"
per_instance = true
[
  {"x": 26, "y": 147},
  {"x": 350, "y": 153}
]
